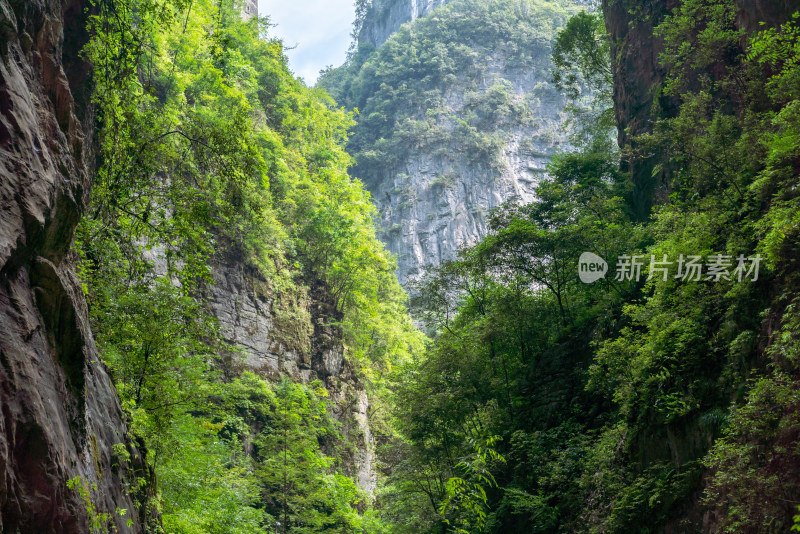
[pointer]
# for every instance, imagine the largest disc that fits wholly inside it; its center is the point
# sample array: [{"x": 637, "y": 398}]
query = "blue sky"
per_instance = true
[{"x": 320, "y": 29}]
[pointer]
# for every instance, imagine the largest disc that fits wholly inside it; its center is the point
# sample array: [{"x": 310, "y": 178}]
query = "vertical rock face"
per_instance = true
[
  {"x": 471, "y": 123},
  {"x": 250, "y": 8},
  {"x": 437, "y": 197},
  {"x": 301, "y": 342},
  {"x": 384, "y": 17},
  {"x": 59, "y": 413},
  {"x": 637, "y": 76},
  {"x": 637, "y": 79},
  {"x": 243, "y": 305}
]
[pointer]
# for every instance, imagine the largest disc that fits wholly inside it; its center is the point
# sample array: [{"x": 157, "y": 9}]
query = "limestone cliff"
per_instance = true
[
  {"x": 300, "y": 340},
  {"x": 384, "y": 17},
  {"x": 250, "y": 8},
  {"x": 436, "y": 197},
  {"x": 59, "y": 413},
  {"x": 457, "y": 115}
]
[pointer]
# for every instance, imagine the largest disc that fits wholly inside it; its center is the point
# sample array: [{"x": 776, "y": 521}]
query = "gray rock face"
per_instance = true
[
  {"x": 59, "y": 413},
  {"x": 273, "y": 341},
  {"x": 384, "y": 17},
  {"x": 250, "y": 8},
  {"x": 244, "y": 307},
  {"x": 437, "y": 198},
  {"x": 465, "y": 143},
  {"x": 352, "y": 409},
  {"x": 298, "y": 341}
]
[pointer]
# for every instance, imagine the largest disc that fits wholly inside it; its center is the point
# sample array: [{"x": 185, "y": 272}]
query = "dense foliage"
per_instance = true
[
  {"x": 550, "y": 405},
  {"x": 210, "y": 151},
  {"x": 542, "y": 404}
]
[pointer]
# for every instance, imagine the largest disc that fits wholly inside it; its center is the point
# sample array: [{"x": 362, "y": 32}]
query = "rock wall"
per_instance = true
[
  {"x": 384, "y": 17},
  {"x": 437, "y": 198},
  {"x": 250, "y": 8},
  {"x": 435, "y": 190},
  {"x": 59, "y": 413},
  {"x": 637, "y": 78},
  {"x": 301, "y": 341},
  {"x": 243, "y": 305},
  {"x": 751, "y": 13},
  {"x": 638, "y": 75}
]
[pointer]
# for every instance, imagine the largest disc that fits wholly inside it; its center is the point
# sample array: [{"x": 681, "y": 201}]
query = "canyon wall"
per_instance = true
[
  {"x": 436, "y": 197},
  {"x": 304, "y": 343},
  {"x": 638, "y": 76},
  {"x": 384, "y": 17},
  {"x": 60, "y": 416},
  {"x": 638, "y": 102}
]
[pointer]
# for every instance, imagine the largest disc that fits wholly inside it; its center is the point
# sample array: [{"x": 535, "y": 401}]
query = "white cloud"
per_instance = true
[{"x": 318, "y": 29}]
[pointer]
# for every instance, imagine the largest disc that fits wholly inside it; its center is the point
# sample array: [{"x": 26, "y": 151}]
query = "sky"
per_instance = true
[{"x": 320, "y": 30}]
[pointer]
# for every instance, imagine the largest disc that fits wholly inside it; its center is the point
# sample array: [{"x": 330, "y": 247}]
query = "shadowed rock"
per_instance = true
[{"x": 59, "y": 413}]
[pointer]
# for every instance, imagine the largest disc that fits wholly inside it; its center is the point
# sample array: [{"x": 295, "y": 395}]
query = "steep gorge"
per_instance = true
[
  {"x": 188, "y": 294},
  {"x": 228, "y": 278}
]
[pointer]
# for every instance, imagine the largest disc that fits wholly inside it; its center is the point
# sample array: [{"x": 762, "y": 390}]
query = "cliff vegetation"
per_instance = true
[
  {"x": 209, "y": 149},
  {"x": 652, "y": 403}
]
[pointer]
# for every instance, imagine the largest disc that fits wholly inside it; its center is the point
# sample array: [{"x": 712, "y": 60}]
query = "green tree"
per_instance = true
[{"x": 305, "y": 493}]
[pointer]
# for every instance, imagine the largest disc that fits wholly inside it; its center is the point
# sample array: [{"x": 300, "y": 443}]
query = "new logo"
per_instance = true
[{"x": 591, "y": 267}]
